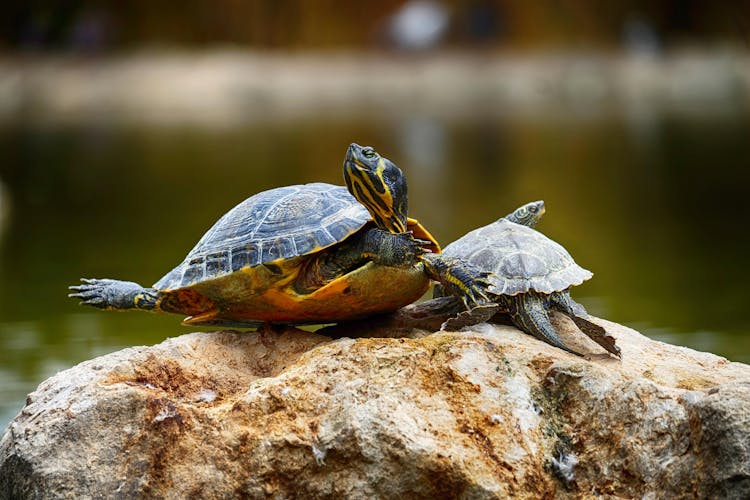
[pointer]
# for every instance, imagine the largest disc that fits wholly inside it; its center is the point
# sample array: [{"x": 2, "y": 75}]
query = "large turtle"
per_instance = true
[
  {"x": 309, "y": 253},
  {"x": 531, "y": 276}
]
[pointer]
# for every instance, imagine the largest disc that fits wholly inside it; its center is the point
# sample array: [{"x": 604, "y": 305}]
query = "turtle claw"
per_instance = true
[
  {"x": 107, "y": 293},
  {"x": 90, "y": 292},
  {"x": 460, "y": 278},
  {"x": 413, "y": 248},
  {"x": 424, "y": 245},
  {"x": 395, "y": 249},
  {"x": 421, "y": 247},
  {"x": 474, "y": 292}
]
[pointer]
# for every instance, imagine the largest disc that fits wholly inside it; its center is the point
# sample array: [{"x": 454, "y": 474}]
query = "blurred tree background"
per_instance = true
[{"x": 324, "y": 24}]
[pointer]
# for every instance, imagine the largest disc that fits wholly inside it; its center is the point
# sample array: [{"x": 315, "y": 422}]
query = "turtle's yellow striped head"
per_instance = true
[{"x": 379, "y": 185}]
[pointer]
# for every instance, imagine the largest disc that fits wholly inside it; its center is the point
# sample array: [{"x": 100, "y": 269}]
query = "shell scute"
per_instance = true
[
  {"x": 192, "y": 274},
  {"x": 339, "y": 229},
  {"x": 240, "y": 259},
  {"x": 274, "y": 250},
  {"x": 305, "y": 243},
  {"x": 218, "y": 263},
  {"x": 523, "y": 265}
]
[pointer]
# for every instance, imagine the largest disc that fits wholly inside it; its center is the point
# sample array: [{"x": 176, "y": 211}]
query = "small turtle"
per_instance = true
[
  {"x": 531, "y": 275},
  {"x": 312, "y": 253}
]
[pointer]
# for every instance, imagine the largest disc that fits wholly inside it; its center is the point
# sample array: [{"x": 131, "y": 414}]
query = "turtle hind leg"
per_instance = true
[
  {"x": 564, "y": 303},
  {"x": 529, "y": 313},
  {"x": 479, "y": 314},
  {"x": 115, "y": 295},
  {"x": 598, "y": 335}
]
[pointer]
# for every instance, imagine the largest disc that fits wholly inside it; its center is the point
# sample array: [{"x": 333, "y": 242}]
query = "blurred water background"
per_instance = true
[{"x": 125, "y": 132}]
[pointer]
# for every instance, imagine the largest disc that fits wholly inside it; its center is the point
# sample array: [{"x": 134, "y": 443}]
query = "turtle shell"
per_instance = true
[
  {"x": 522, "y": 259},
  {"x": 273, "y": 225}
]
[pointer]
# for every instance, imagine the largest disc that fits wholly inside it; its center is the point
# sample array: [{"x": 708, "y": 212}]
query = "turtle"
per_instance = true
[
  {"x": 531, "y": 275},
  {"x": 304, "y": 254}
]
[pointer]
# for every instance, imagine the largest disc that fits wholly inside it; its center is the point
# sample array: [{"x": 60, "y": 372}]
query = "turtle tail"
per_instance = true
[
  {"x": 115, "y": 295},
  {"x": 529, "y": 313}
]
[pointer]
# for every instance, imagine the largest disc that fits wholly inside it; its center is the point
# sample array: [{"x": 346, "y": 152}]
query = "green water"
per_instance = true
[{"x": 654, "y": 206}]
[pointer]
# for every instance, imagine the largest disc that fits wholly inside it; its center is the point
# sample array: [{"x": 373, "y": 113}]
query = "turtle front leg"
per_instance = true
[
  {"x": 375, "y": 245},
  {"x": 528, "y": 312},
  {"x": 459, "y": 278},
  {"x": 115, "y": 295}
]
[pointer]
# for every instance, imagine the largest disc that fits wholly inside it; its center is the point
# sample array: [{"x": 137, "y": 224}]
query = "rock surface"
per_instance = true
[{"x": 489, "y": 413}]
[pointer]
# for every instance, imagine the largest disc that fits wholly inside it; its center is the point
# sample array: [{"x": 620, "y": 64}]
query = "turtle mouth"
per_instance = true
[{"x": 351, "y": 152}]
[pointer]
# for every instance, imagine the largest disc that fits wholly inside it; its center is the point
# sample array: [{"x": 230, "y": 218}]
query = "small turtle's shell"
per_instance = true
[
  {"x": 521, "y": 259},
  {"x": 273, "y": 225}
]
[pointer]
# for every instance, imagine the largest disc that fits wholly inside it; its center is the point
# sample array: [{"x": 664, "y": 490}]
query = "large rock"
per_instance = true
[{"x": 490, "y": 413}]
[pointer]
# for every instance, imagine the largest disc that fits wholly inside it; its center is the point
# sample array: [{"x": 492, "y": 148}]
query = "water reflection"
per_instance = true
[
  {"x": 4, "y": 208},
  {"x": 424, "y": 143},
  {"x": 651, "y": 205}
]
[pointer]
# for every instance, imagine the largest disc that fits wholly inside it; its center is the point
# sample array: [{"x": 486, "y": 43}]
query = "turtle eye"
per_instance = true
[{"x": 369, "y": 153}]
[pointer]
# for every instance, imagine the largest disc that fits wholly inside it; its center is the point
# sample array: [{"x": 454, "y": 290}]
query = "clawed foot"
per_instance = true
[
  {"x": 395, "y": 249},
  {"x": 416, "y": 248},
  {"x": 460, "y": 278},
  {"x": 476, "y": 286},
  {"x": 93, "y": 292},
  {"x": 106, "y": 293}
]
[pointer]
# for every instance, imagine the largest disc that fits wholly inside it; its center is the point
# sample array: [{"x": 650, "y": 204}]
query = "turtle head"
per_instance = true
[
  {"x": 378, "y": 184},
  {"x": 527, "y": 215}
]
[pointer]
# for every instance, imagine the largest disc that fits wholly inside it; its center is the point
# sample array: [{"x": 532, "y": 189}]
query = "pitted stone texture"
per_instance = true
[{"x": 492, "y": 413}]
